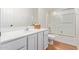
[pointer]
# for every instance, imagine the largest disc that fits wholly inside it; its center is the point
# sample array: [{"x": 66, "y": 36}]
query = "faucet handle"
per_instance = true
[{"x": 11, "y": 25}]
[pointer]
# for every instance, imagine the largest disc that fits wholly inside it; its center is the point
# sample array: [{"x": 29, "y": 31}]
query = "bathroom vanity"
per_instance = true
[{"x": 25, "y": 40}]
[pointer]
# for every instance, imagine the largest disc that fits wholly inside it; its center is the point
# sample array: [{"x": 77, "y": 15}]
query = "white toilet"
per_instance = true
[{"x": 51, "y": 37}]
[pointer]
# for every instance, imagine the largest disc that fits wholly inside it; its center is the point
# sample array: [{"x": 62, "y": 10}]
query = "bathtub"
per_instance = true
[{"x": 64, "y": 39}]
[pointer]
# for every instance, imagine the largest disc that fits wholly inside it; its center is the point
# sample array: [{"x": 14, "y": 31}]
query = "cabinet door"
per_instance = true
[
  {"x": 40, "y": 41},
  {"x": 45, "y": 39},
  {"x": 25, "y": 47},
  {"x": 35, "y": 41},
  {"x": 32, "y": 42}
]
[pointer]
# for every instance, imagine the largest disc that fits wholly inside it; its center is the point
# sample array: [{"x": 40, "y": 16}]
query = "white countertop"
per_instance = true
[{"x": 12, "y": 35}]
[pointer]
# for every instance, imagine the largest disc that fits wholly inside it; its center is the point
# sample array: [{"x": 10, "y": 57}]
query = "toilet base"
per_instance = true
[{"x": 51, "y": 42}]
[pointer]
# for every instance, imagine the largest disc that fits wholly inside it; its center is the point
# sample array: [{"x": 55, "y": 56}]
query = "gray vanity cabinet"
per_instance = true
[{"x": 16, "y": 44}]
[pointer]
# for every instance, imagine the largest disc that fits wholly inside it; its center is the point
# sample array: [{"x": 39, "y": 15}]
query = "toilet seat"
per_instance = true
[{"x": 51, "y": 37}]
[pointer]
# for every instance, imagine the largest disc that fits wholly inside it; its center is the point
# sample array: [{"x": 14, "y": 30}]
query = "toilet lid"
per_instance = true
[{"x": 51, "y": 36}]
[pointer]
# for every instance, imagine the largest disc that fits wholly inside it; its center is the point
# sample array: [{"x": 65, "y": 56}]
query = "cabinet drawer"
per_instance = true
[{"x": 14, "y": 45}]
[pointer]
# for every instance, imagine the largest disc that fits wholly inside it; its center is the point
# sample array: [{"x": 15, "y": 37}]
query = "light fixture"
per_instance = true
[{"x": 54, "y": 13}]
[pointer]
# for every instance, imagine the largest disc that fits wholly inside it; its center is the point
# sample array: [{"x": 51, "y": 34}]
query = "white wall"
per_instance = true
[
  {"x": 0, "y": 19},
  {"x": 42, "y": 12},
  {"x": 54, "y": 21},
  {"x": 77, "y": 22},
  {"x": 18, "y": 17},
  {"x": 35, "y": 13},
  {"x": 66, "y": 20}
]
